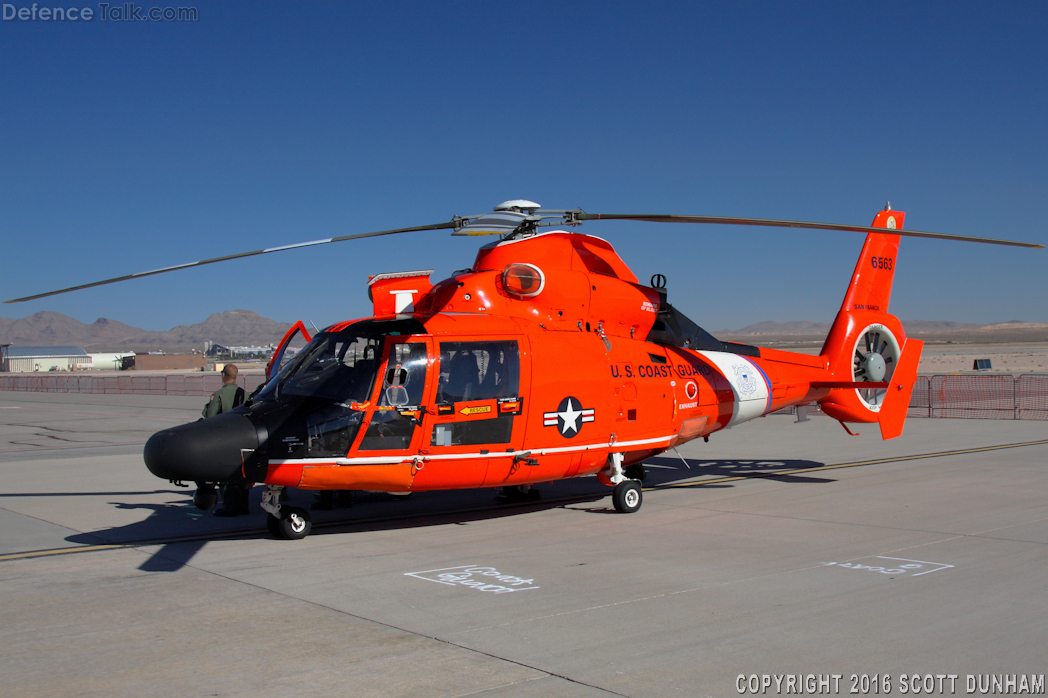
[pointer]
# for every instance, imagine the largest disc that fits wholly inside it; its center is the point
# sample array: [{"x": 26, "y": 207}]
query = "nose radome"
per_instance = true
[{"x": 210, "y": 450}]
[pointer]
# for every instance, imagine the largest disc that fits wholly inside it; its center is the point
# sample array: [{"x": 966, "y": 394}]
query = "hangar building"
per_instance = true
[{"x": 29, "y": 359}]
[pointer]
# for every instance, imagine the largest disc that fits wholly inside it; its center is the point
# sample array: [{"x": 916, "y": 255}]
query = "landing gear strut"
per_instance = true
[
  {"x": 627, "y": 495},
  {"x": 293, "y": 523},
  {"x": 635, "y": 472}
]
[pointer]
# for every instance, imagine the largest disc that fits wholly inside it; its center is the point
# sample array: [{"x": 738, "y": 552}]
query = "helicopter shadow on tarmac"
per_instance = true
[
  {"x": 182, "y": 531},
  {"x": 667, "y": 471},
  {"x": 175, "y": 519}
]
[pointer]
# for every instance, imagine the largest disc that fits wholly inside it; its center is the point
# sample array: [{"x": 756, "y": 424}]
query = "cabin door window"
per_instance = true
[{"x": 478, "y": 393}]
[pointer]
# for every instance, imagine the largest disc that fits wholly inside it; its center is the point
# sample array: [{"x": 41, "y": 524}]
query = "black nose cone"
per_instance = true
[{"x": 210, "y": 450}]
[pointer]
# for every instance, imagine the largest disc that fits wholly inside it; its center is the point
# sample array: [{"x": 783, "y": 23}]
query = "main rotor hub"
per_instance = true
[{"x": 519, "y": 205}]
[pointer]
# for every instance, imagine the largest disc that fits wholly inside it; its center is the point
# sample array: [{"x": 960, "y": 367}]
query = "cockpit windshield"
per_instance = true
[{"x": 336, "y": 366}]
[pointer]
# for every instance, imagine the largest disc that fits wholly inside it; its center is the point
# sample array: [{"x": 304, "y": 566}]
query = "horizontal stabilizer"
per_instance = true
[{"x": 858, "y": 385}]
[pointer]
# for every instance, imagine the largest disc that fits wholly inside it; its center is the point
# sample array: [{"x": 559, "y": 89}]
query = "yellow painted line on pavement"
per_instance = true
[
  {"x": 59, "y": 551},
  {"x": 216, "y": 535},
  {"x": 896, "y": 459}
]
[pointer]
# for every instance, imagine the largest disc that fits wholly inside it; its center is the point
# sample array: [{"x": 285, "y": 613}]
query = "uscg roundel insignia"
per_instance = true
[
  {"x": 569, "y": 417},
  {"x": 890, "y": 225},
  {"x": 745, "y": 381}
]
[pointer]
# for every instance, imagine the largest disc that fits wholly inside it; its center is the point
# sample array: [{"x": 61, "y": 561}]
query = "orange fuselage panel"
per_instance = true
[{"x": 589, "y": 383}]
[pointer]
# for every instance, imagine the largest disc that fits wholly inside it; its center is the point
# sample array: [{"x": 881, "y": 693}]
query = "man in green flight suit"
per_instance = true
[
  {"x": 230, "y": 395},
  {"x": 227, "y": 397}
]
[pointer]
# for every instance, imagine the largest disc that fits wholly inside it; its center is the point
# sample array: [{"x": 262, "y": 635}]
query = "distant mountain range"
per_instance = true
[
  {"x": 929, "y": 330},
  {"x": 233, "y": 327},
  {"x": 245, "y": 328}
]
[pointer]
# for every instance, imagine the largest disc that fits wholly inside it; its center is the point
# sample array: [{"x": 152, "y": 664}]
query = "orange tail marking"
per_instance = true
[{"x": 871, "y": 284}]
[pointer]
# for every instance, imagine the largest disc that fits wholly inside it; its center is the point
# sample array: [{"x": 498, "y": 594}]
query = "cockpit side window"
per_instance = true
[{"x": 336, "y": 366}]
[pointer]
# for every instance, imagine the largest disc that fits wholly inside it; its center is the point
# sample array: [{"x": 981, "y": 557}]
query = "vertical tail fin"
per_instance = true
[
  {"x": 892, "y": 415},
  {"x": 866, "y": 344},
  {"x": 871, "y": 283}
]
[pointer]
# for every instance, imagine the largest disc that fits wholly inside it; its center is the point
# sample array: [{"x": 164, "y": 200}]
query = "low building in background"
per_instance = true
[
  {"x": 217, "y": 351},
  {"x": 160, "y": 362},
  {"x": 113, "y": 361},
  {"x": 30, "y": 359}
]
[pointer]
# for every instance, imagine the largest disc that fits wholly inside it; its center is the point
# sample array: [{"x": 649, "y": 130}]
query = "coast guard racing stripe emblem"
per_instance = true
[{"x": 569, "y": 417}]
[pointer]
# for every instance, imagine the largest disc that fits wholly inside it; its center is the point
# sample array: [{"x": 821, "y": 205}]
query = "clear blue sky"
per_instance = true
[{"x": 127, "y": 146}]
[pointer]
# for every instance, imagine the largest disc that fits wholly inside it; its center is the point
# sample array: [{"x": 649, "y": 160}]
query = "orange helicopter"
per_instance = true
[{"x": 460, "y": 384}]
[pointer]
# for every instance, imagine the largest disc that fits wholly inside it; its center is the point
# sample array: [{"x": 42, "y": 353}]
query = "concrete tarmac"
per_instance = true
[{"x": 775, "y": 549}]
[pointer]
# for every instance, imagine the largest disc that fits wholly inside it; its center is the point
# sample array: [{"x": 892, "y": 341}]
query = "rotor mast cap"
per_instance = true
[{"x": 522, "y": 205}]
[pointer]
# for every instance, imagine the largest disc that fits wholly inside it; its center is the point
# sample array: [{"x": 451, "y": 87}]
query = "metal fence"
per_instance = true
[
  {"x": 971, "y": 397},
  {"x": 201, "y": 385},
  {"x": 980, "y": 397}
]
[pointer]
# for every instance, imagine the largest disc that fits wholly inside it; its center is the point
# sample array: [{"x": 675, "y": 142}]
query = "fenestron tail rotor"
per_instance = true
[
  {"x": 519, "y": 218},
  {"x": 876, "y": 364}
]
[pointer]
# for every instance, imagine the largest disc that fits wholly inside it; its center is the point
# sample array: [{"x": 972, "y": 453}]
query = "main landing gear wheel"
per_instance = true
[
  {"x": 296, "y": 523},
  {"x": 627, "y": 496}
]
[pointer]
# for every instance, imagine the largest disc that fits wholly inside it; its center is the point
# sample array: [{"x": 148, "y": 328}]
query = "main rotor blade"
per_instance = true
[
  {"x": 721, "y": 220},
  {"x": 435, "y": 226}
]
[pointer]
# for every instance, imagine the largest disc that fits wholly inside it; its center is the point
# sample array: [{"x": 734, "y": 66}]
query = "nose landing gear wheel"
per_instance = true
[
  {"x": 627, "y": 496},
  {"x": 205, "y": 498},
  {"x": 296, "y": 523}
]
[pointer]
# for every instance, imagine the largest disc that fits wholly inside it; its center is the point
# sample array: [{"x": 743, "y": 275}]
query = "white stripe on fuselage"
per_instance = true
[
  {"x": 407, "y": 458},
  {"x": 748, "y": 384}
]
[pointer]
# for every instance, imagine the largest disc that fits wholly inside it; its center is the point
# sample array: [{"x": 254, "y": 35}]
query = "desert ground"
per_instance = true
[
  {"x": 938, "y": 357},
  {"x": 941, "y": 357}
]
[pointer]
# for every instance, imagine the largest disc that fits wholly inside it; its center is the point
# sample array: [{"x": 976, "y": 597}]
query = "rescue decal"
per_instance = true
[
  {"x": 477, "y": 409},
  {"x": 569, "y": 417}
]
